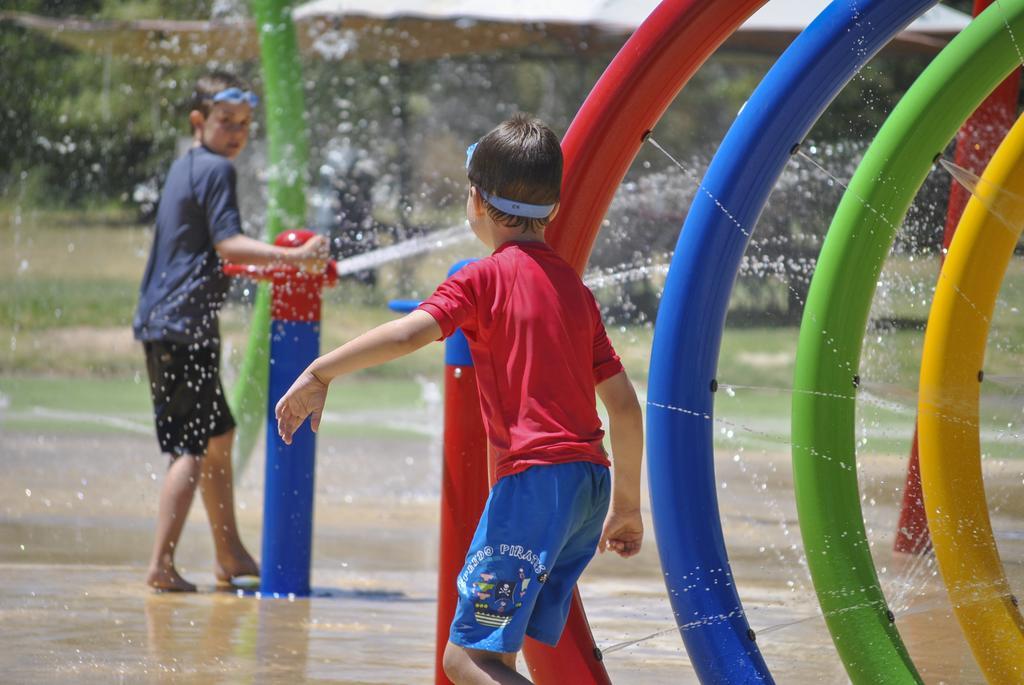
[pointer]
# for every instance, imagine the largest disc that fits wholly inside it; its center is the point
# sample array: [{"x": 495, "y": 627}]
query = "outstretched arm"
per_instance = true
[
  {"x": 388, "y": 341},
  {"x": 623, "y": 529},
  {"x": 241, "y": 249}
]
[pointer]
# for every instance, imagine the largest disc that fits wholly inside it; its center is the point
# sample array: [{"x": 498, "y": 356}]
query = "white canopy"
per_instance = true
[
  {"x": 795, "y": 15},
  {"x": 412, "y": 30},
  {"x": 776, "y": 15}
]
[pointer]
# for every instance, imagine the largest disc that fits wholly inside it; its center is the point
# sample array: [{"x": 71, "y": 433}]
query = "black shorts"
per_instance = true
[{"x": 188, "y": 398}]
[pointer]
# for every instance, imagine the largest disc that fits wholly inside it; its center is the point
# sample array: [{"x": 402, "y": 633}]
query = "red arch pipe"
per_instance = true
[
  {"x": 601, "y": 143},
  {"x": 626, "y": 103}
]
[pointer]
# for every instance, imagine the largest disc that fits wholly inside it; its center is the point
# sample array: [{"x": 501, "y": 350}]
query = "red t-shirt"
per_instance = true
[{"x": 539, "y": 349}]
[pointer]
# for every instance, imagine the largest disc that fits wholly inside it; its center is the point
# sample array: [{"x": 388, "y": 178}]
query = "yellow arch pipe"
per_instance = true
[{"x": 950, "y": 445}]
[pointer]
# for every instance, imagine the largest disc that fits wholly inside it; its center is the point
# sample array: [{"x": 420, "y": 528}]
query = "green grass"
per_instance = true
[
  {"x": 113, "y": 396},
  {"x": 105, "y": 405},
  {"x": 908, "y": 285},
  {"x": 34, "y": 305},
  {"x": 83, "y": 360},
  {"x": 752, "y": 418}
]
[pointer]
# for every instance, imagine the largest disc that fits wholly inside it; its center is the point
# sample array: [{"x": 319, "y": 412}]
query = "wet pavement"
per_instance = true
[{"x": 76, "y": 525}]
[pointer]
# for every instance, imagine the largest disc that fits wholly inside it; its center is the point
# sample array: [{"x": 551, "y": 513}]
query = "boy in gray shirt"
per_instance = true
[{"x": 182, "y": 291}]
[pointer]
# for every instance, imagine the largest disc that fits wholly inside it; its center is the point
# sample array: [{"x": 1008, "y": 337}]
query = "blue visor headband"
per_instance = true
[
  {"x": 237, "y": 96},
  {"x": 513, "y": 207}
]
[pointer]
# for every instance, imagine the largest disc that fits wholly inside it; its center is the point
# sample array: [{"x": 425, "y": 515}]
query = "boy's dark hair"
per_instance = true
[
  {"x": 209, "y": 85},
  {"x": 521, "y": 159}
]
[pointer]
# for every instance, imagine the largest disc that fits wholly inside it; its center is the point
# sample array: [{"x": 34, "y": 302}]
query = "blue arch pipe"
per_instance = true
[
  {"x": 290, "y": 469},
  {"x": 691, "y": 316}
]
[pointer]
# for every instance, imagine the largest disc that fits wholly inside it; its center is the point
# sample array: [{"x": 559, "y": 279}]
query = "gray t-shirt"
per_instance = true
[{"x": 183, "y": 286}]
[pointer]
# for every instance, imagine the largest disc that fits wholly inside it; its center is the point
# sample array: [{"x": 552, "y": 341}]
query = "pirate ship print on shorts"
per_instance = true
[{"x": 500, "y": 582}]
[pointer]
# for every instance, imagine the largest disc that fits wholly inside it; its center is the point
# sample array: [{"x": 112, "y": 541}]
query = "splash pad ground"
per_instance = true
[{"x": 77, "y": 524}]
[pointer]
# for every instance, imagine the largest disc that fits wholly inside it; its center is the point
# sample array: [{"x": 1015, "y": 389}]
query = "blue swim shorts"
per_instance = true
[{"x": 539, "y": 530}]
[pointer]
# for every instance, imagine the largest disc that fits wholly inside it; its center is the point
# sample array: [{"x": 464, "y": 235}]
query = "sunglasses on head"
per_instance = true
[{"x": 237, "y": 96}]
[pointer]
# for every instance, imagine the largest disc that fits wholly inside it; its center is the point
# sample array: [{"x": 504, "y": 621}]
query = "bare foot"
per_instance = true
[
  {"x": 238, "y": 564},
  {"x": 167, "y": 579}
]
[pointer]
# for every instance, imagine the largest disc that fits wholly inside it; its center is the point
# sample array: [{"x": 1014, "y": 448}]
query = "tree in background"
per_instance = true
[{"x": 85, "y": 130}]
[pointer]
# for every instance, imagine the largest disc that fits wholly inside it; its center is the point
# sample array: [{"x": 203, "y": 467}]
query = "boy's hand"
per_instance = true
[
  {"x": 312, "y": 255},
  {"x": 623, "y": 532},
  {"x": 305, "y": 398}
]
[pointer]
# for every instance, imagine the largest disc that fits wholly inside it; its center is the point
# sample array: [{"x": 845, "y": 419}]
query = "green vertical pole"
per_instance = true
[{"x": 287, "y": 159}]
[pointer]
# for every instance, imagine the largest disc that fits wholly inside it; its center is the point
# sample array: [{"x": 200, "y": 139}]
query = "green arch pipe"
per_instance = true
[
  {"x": 833, "y": 328},
  {"x": 287, "y": 159}
]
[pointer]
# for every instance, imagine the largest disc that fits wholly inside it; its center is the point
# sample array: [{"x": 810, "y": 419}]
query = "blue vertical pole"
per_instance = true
[{"x": 290, "y": 469}]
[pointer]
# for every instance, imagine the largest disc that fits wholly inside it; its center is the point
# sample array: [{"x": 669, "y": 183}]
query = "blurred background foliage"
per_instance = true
[{"x": 86, "y": 131}]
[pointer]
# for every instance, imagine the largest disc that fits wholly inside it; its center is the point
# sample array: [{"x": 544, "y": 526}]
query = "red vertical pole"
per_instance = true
[
  {"x": 976, "y": 143},
  {"x": 464, "y": 476},
  {"x": 912, "y": 532},
  {"x": 464, "y": 482},
  {"x": 463, "y": 491}
]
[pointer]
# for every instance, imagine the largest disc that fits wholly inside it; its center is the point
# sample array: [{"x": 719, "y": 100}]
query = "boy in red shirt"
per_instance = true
[{"x": 539, "y": 349}]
